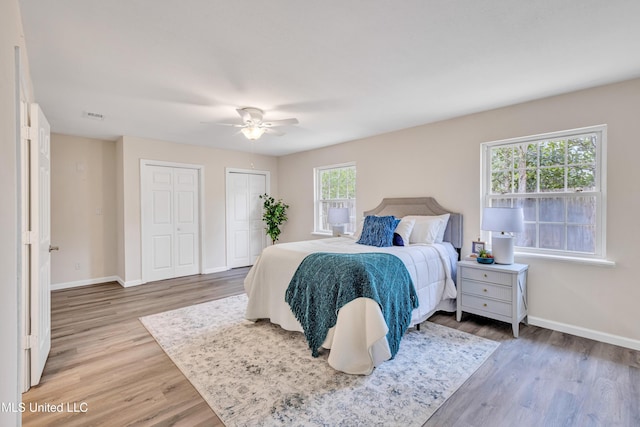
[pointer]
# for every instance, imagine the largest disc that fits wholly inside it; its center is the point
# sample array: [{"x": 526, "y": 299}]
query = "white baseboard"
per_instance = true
[
  {"x": 129, "y": 283},
  {"x": 86, "y": 282},
  {"x": 585, "y": 333},
  {"x": 215, "y": 270}
]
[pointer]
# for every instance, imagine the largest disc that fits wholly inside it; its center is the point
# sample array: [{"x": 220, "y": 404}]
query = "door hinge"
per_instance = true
[
  {"x": 29, "y": 132},
  {"x": 27, "y": 237},
  {"x": 29, "y": 341}
]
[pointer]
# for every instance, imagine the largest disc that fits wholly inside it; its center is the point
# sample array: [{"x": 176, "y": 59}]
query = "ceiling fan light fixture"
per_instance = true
[{"x": 253, "y": 132}]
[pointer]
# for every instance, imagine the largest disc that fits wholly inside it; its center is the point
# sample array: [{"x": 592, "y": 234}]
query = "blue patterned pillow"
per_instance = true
[{"x": 378, "y": 231}]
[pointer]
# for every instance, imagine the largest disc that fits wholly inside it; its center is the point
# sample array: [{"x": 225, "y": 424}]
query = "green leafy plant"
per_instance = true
[
  {"x": 274, "y": 215},
  {"x": 484, "y": 254}
]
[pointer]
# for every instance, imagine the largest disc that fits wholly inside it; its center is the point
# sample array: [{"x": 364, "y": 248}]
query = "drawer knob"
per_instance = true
[
  {"x": 484, "y": 290},
  {"x": 485, "y": 274},
  {"x": 484, "y": 305}
]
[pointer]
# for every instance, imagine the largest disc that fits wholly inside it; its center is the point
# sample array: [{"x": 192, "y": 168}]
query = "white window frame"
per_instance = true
[
  {"x": 317, "y": 217},
  {"x": 599, "y": 192}
]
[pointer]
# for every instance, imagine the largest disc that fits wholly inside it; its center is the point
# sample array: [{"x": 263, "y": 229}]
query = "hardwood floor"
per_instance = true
[
  {"x": 104, "y": 362},
  {"x": 102, "y": 356},
  {"x": 543, "y": 378}
]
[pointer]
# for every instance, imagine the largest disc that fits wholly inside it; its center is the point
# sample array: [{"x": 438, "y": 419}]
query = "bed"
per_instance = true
[{"x": 358, "y": 340}]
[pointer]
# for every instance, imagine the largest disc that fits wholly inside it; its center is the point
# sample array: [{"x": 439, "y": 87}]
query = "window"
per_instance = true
[
  {"x": 559, "y": 181},
  {"x": 335, "y": 186}
]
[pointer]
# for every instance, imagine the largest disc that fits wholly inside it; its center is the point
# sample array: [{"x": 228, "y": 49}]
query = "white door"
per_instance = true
[
  {"x": 245, "y": 229},
  {"x": 258, "y": 237},
  {"x": 171, "y": 223},
  {"x": 187, "y": 224},
  {"x": 40, "y": 238}
]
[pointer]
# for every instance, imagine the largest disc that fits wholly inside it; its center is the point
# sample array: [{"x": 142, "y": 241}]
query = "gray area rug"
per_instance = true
[{"x": 257, "y": 374}]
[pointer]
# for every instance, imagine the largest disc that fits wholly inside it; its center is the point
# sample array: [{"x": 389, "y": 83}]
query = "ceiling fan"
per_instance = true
[{"x": 253, "y": 126}]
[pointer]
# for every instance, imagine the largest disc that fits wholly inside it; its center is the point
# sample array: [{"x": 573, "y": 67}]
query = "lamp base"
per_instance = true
[
  {"x": 339, "y": 230},
  {"x": 502, "y": 248}
]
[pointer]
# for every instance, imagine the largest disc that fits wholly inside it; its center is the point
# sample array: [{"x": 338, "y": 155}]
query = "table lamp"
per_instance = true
[
  {"x": 505, "y": 221},
  {"x": 338, "y": 218}
]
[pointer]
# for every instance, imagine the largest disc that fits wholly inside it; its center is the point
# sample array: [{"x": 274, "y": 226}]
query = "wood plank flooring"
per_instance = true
[{"x": 103, "y": 357}]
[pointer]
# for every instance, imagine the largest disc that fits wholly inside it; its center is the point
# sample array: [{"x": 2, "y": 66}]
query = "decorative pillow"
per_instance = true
[
  {"x": 428, "y": 229},
  {"x": 425, "y": 230},
  {"x": 403, "y": 231},
  {"x": 378, "y": 231},
  {"x": 356, "y": 234},
  {"x": 443, "y": 227}
]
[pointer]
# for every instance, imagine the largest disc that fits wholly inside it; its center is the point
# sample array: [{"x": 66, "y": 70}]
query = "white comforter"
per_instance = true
[{"x": 358, "y": 341}]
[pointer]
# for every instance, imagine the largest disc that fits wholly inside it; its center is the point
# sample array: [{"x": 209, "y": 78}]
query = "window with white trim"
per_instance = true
[
  {"x": 335, "y": 186},
  {"x": 559, "y": 181}
]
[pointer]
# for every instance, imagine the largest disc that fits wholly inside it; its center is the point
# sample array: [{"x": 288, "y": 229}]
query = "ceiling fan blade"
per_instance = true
[
  {"x": 246, "y": 116},
  {"x": 283, "y": 122},
  {"x": 272, "y": 131},
  {"x": 235, "y": 125}
]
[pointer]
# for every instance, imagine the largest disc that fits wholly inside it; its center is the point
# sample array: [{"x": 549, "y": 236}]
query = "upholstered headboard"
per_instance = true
[{"x": 403, "y": 206}]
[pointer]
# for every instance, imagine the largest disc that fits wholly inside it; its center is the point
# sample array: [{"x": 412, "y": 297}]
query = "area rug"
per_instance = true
[{"x": 257, "y": 374}]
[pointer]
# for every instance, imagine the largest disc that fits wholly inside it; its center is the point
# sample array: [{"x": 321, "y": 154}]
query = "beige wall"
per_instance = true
[
  {"x": 83, "y": 210},
  {"x": 96, "y": 204},
  {"x": 214, "y": 161},
  {"x": 443, "y": 160},
  {"x": 11, "y": 35}
]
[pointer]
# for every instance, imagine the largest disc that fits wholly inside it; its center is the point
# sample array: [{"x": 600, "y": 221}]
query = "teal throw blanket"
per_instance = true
[{"x": 324, "y": 282}]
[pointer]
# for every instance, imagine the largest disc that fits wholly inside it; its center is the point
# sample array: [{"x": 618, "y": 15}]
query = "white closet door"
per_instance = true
[
  {"x": 257, "y": 242},
  {"x": 159, "y": 221},
  {"x": 171, "y": 243},
  {"x": 245, "y": 229},
  {"x": 187, "y": 229},
  {"x": 238, "y": 220}
]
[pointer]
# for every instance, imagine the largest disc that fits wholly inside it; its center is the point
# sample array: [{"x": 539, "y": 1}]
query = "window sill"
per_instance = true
[
  {"x": 571, "y": 259},
  {"x": 329, "y": 234}
]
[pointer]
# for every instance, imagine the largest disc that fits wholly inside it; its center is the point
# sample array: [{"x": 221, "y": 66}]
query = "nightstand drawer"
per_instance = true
[
  {"x": 486, "y": 290},
  {"x": 485, "y": 304},
  {"x": 486, "y": 275}
]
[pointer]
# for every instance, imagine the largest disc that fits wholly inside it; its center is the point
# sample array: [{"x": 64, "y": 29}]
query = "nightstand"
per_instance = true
[{"x": 493, "y": 290}]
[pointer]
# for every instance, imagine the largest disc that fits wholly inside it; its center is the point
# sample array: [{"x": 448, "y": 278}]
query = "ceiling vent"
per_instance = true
[{"x": 93, "y": 116}]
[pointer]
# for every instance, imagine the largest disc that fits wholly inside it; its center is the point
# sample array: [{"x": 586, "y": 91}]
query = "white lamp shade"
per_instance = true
[
  {"x": 504, "y": 220},
  {"x": 253, "y": 132},
  {"x": 510, "y": 220},
  {"x": 338, "y": 216}
]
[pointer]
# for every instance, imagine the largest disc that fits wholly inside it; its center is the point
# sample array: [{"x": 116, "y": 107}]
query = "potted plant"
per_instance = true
[{"x": 274, "y": 215}]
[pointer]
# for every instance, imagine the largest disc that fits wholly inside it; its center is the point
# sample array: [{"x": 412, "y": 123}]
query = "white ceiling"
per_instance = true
[{"x": 346, "y": 69}]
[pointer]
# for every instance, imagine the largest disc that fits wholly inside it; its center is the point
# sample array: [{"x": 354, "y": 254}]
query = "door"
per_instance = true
[
  {"x": 187, "y": 229},
  {"x": 39, "y": 339},
  {"x": 245, "y": 229},
  {"x": 171, "y": 222},
  {"x": 258, "y": 237}
]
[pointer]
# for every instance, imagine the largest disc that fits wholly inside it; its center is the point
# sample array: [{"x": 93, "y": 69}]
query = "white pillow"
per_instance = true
[
  {"x": 425, "y": 229},
  {"x": 443, "y": 227},
  {"x": 428, "y": 229},
  {"x": 404, "y": 229},
  {"x": 356, "y": 234}
]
